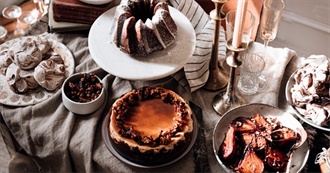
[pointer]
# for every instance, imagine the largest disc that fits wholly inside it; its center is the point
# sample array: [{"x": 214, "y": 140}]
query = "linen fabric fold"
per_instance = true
[
  {"x": 60, "y": 141},
  {"x": 273, "y": 74},
  {"x": 195, "y": 73}
]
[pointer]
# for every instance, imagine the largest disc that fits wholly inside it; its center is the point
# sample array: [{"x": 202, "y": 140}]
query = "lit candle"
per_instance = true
[{"x": 239, "y": 22}]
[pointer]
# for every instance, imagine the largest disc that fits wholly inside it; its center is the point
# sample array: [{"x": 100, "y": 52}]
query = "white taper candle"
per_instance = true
[{"x": 239, "y": 22}]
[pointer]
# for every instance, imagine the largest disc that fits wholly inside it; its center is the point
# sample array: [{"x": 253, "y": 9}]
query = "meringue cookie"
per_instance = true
[
  {"x": 5, "y": 59},
  {"x": 310, "y": 92},
  {"x": 26, "y": 54},
  {"x": 20, "y": 80},
  {"x": 50, "y": 73},
  {"x": 43, "y": 44},
  {"x": 12, "y": 74}
]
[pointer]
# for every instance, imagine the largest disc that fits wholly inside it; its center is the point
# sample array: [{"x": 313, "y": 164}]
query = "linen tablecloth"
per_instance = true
[{"x": 60, "y": 141}]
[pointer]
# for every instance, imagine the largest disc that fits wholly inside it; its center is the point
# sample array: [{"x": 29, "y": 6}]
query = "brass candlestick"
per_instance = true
[
  {"x": 217, "y": 79},
  {"x": 229, "y": 99}
]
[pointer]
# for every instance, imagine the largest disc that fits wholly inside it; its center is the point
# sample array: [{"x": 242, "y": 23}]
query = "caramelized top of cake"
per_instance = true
[{"x": 151, "y": 117}]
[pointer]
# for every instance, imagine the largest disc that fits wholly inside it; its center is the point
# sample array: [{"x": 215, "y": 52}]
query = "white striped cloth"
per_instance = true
[{"x": 195, "y": 73}]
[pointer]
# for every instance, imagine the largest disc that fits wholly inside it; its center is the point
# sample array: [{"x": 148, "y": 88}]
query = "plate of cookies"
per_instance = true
[{"x": 32, "y": 69}]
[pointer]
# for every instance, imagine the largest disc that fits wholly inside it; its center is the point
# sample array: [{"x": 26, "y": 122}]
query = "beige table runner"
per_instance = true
[{"x": 60, "y": 141}]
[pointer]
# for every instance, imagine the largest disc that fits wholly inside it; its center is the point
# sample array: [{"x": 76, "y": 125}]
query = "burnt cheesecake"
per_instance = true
[{"x": 150, "y": 125}]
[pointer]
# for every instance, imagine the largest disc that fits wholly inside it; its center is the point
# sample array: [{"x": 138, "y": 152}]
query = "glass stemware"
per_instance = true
[
  {"x": 41, "y": 6},
  {"x": 3, "y": 34},
  {"x": 12, "y": 12},
  {"x": 24, "y": 22},
  {"x": 270, "y": 19}
]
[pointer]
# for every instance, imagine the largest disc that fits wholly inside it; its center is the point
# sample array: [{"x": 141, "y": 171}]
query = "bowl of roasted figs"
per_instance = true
[{"x": 260, "y": 138}]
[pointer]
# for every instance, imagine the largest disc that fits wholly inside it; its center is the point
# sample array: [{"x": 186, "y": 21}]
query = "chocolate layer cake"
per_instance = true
[{"x": 78, "y": 12}]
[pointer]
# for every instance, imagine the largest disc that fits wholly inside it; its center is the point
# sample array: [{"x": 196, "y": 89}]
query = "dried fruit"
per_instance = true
[{"x": 86, "y": 89}]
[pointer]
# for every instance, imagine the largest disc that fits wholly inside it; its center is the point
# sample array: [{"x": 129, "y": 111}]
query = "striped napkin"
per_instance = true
[{"x": 195, "y": 73}]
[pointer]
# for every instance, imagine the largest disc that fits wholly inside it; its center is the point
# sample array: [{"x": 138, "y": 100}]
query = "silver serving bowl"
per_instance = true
[
  {"x": 286, "y": 119},
  {"x": 289, "y": 85}
]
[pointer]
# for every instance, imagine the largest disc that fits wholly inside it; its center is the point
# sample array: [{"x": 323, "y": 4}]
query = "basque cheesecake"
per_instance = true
[{"x": 150, "y": 125}]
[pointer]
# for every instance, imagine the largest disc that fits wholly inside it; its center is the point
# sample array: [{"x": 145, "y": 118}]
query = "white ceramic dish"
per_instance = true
[
  {"x": 289, "y": 85},
  {"x": 301, "y": 154},
  {"x": 156, "y": 65},
  {"x": 108, "y": 144},
  {"x": 96, "y": 2},
  {"x": 82, "y": 108},
  {"x": 8, "y": 97}
]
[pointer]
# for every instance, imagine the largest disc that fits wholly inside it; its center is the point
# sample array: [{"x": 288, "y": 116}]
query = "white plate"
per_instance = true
[
  {"x": 108, "y": 144},
  {"x": 289, "y": 85},
  {"x": 8, "y": 97},
  {"x": 300, "y": 156},
  {"x": 156, "y": 65},
  {"x": 96, "y": 2}
]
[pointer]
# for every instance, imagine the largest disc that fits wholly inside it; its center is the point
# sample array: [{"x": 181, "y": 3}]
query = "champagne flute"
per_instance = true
[{"x": 270, "y": 19}]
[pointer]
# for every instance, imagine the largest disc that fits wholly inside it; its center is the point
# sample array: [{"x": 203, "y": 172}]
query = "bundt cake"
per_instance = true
[
  {"x": 143, "y": 26},
  {"x": 150, "y": 125}
]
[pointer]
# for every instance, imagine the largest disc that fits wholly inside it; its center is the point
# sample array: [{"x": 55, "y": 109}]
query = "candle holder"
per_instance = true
[
  {"x": 229, "y": 99},
  {"x": 217, "y": 79}
]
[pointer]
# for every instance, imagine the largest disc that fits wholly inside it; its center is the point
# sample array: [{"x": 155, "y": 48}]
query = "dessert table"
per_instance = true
[{"x": 58, "y": 140}]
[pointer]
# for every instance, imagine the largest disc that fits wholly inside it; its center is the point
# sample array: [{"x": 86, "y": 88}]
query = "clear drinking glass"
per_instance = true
[
  {"x": 270, "y": 19},
  {"x": 25, "y": 21},
  {"x": 250, "y": 70}
]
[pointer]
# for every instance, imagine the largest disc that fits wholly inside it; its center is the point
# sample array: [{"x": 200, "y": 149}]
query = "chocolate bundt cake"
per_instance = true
[
  {"x": 143, "y": 26},
  {"x": 150, "y": 125}
]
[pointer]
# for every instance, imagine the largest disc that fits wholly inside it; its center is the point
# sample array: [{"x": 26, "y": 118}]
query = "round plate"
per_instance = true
[
  {"x": 108, "y": 144},
  {"x": 8, "y": 97},
  {"x": 299, "y": 157},
  {"x": 96, "y": 2},
  {"x": 154, "y": 66},
  {"x": 288, "y": 87}
]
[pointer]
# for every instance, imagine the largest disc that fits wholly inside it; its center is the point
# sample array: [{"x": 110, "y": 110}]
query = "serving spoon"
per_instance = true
[{"x": 303, "y": 137}]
